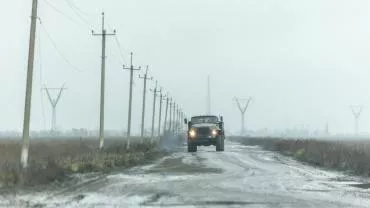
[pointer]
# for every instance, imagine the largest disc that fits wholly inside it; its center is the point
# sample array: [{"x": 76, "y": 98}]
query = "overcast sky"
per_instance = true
[{"x": 303, "y": 62}]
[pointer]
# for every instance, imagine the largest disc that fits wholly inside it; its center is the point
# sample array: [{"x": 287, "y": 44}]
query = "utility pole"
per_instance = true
[
  {"x": 54, "y": 103},
  {"x": 175, "y": 106},
  {"x": 132, "y": 69},
  {"x": 177, "y": 119},
  {"x": 181, "y": 120},
  {"x": 145, "y": 77},
  {"x": 165, "y": 115},
  {"x": 170, "y": 119},
  {"x": 27, "y": 104},
  {"x": 209, "y": 96},
  {"x": 160, "y": 112},
  {"x": 242, "y": 110},
  {"x": 154, "y": 102},
  {"x": 104, "y": 35},
  {"x": 356, "y": 111}
]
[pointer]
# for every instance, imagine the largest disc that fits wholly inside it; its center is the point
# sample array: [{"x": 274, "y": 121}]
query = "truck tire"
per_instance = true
[
  {"x": 192, "y": 148},
  {"x": 219, "y": 144},
  {"x": 222, "y": 143}
]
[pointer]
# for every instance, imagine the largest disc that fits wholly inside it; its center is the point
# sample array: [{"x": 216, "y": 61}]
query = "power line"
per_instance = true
[
  {"x": 62, "y": 13},
  {"x": 76, "y": 11},
  {"x": 41, "y": 80},
  {"x": 79, "y": 10},
  {"x": 120, "y": 49},
  {"x": 57, "y": 49},
  {"x": 118, "y": 43}
]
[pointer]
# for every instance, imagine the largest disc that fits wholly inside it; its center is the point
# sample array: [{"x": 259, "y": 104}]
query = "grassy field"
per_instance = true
[
  {"x": 352, "y": 156},
  {"x": 54, "y": 160}
]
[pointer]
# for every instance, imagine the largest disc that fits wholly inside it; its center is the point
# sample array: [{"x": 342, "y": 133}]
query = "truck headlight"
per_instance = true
[
  {"x": 192, "y": 133},
  {"x": 214, "y": 132}
]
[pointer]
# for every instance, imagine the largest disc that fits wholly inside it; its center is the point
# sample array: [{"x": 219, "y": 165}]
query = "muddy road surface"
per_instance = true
[{"x": 242, "y": 176}]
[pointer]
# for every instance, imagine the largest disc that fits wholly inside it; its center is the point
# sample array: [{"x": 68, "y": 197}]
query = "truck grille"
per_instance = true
[{"x": 204, "y": 131}]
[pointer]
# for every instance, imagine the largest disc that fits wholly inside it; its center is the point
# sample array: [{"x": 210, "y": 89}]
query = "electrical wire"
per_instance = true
[
  {"x": 41, "y": 80},
  {"x": 61, "y": 13},
  {"x": 77, "y": 12},
  {"x": 118, "y": 43},
  {"x": 120, "y": 49},
  {"x": 57, "y": 49}
]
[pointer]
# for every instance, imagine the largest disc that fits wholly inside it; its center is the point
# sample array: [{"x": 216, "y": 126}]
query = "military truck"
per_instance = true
[{"x": 205, "y": 130}]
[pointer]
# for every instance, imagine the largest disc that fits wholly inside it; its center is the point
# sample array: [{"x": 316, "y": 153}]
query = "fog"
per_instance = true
[{"x": 303, "y": 62}]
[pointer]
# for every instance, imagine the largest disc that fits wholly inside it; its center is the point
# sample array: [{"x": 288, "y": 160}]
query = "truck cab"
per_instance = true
[{"x": 205, "y": 130}]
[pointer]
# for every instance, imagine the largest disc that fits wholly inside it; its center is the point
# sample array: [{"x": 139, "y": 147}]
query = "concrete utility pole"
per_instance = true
[
  {"x": 54, "y": 103},
  {"x": 132, "y": 69},
  {"x": 170, "y": 119},
  {"x": 154, "y": 102},
  {"x": 160, "y": 112},
  {"x": 27, "y": 104},
  {"x": 242, "y": 110},
  {"x": 356, "y": 110},
  {"x": 177, "y": 119},
  {"x": 165, "y": 114},
  {"x": 209, "y": 96},
  {"x": 104, "y": 35},
  {"x": 175, "y": 107},
  {"x": 145, "y": 77}
]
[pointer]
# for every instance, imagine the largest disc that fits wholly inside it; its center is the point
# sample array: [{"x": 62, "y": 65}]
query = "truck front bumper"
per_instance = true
[{"x": 202, "y": 141}]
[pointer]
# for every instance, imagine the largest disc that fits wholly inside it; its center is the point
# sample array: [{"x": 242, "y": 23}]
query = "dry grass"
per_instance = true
[
  {"x": 352, "y": 156},
  {"x": 51, "y": 160}
]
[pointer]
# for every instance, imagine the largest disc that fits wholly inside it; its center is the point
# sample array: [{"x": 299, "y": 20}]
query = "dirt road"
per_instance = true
[{"x": 241, "y": 176}]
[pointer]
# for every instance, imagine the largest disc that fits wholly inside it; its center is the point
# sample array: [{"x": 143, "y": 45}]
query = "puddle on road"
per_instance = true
[
  {"x": 363, "y": 185},
  {"x": 176, "y": 165}
]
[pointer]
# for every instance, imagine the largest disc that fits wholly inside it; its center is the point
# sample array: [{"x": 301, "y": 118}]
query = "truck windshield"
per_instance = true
[{"x": 204, "y": 119}]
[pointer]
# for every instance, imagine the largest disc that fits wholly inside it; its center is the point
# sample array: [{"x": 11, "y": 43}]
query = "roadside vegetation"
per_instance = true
[
  {"x": 55, "y": 160},
  {"x": 351, "y": 156}
]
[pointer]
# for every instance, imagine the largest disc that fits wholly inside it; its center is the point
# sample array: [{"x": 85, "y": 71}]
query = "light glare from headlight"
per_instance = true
[
  {"x": 192, "y": 133},
  {"x": 214, "y": 132}
]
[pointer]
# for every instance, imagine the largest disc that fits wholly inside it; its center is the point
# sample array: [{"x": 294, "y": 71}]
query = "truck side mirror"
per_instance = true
[
  {"x": 221, "y": 118},
  {"x": 186, "y": 121},
  {"x": 189, "y": 124}
]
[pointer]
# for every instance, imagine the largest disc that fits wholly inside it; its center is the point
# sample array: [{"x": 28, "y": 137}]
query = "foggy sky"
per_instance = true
[{"x": 303, "y": 62}]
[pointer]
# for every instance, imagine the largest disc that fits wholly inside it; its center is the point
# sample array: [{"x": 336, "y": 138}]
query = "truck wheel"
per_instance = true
[
  {"x": 222, "y": 143},
  {"x": 219, "y": 144},
  {"x": 192, "y": 148}
]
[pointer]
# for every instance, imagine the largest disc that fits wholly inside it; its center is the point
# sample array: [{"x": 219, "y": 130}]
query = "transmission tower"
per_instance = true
[
  {"x": 54, "y": 103},
  {"x": 356, "y": 111},
  {"x": 243, "y": 109}
]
